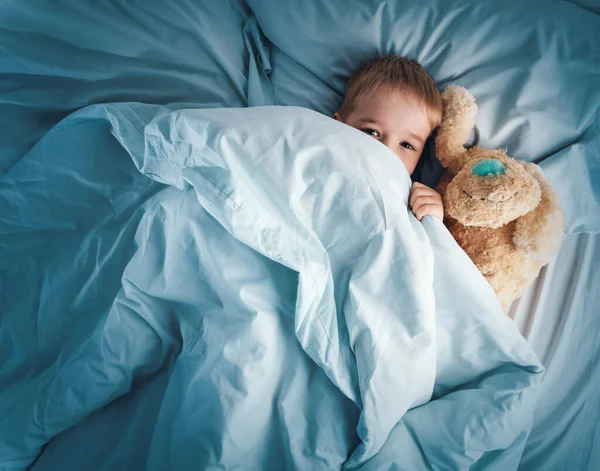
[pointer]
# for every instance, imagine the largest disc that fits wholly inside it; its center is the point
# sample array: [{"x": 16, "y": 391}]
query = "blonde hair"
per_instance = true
[{"x": 402, "y": 74}]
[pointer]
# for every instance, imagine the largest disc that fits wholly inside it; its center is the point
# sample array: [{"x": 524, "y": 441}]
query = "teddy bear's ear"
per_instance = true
[{"x": 458, "y": 120}]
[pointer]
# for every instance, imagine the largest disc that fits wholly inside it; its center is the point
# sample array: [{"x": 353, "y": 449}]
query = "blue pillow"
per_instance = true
[{"x": 532, "y": 66}]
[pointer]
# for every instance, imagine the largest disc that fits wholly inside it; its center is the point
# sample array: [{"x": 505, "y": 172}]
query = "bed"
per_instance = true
[{"x": 80, "y": 82}]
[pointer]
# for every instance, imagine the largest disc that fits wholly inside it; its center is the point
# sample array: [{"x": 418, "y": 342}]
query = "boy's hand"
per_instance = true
[{"x": 424, "y": 200}]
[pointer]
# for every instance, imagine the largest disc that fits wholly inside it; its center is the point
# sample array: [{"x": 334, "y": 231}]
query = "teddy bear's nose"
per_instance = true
[{"x": 483, "y": 168}]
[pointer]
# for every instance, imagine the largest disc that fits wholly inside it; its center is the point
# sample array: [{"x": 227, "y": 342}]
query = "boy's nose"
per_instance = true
[
  {"x": 387, "y": 143},
  {"x": 483, "y": 168},
  {"x": 391, "y": 144}
]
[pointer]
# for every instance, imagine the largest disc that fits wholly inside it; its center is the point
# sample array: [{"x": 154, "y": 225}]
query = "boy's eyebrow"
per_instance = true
[
  {"x": 418, "y": 138},
  {"x": 368, "y": 120}
]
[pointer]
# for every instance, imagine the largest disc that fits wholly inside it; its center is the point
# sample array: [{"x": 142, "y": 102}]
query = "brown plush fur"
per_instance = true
[{"x": 510, "y": 225}]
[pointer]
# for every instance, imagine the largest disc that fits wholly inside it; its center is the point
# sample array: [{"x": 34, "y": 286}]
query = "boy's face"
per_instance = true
[{"x": 391, "y": 117}]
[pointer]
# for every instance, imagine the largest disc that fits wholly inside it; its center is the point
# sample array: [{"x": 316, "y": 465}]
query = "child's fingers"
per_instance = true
[
  {"x": 434, "y": 210},
  {"x": 423, "y": 210},
  {"x": 416, "y": 193},
  {"x": 423, "y": 192},
  {"x": 424, "y": 199},
  {"x": 419, "y": 187}
]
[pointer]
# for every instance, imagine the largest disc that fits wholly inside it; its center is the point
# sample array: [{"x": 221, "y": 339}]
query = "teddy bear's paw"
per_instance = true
[
  {"x": 537, "y": 239},
  {"x": 527, "y": 246},
  {"x": 486, "y": 262},
  {"x": 539, "y": 233}
]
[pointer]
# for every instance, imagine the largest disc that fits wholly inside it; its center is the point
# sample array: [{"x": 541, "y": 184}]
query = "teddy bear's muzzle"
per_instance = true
[{"x": 491, "y": 193}]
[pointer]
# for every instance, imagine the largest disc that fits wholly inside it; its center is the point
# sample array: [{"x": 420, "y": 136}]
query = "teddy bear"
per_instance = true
[{"x": 501, "y": 211}]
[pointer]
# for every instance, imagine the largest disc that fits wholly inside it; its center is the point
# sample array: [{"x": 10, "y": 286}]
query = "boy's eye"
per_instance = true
[
  {"x": 407, "y": 145},
  {"x": 371, "y": 132}
]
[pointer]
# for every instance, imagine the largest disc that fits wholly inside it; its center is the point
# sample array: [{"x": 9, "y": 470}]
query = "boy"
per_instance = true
[{"x": 396, "y": 101}]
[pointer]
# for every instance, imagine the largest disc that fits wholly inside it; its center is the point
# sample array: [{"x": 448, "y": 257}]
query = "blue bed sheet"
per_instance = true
[
  {"x": 559, "y": 317},
  {"x": 71, "y": 209},
  {"x": 534, "y": 68},
  {"x": 291, "y": 320}
]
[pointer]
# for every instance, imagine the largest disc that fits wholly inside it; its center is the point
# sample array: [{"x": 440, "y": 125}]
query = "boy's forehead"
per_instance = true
[
  {"x": 387, "y": 95},
  {"x": 393, "y": 106}
]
